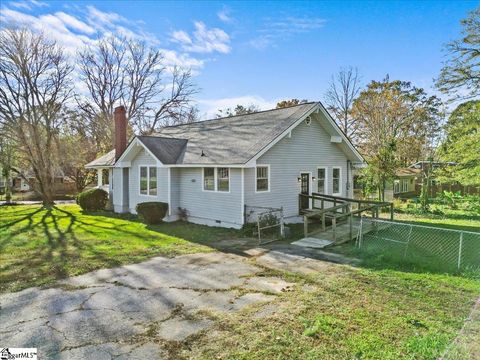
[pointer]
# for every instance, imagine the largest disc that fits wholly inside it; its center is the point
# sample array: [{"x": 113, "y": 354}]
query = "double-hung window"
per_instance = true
[
  {"x": 209, "y": 179},
  {"x": 148, "y": 180},
  {"x": 223, "y": 179},
  {"x": 263, "y": 178},
  {"x": 321, "y": 180},
  {"x": 336, "y": 181},
  {"x": 216, "y": 179}
]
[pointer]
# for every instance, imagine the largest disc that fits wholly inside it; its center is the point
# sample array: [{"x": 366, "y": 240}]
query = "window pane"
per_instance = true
[
  {"x": 336, "y": 180},
  {"x": 321, "y": 174},
  {"x": 223, "y": 178},
  {"x": 143, "y": 180},
  {"x": 262, "y": 184},
  {"x": 336, "y": 186},
  {"x": 208, "y": 179},
  {"x": 153, "y": 181},
  {"x": 321, "y": 181},
  {"x": 262, "y": 178},
  {"x": 321, "y": 186}
]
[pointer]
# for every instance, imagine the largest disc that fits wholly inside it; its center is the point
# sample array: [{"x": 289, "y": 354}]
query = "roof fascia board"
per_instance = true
[{"x": 284, "y": 133}]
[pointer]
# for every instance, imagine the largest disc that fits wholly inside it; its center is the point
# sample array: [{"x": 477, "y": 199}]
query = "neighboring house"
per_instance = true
[
  {"x": 404, "y": 184},
  {"x": 215, "y": 168}
]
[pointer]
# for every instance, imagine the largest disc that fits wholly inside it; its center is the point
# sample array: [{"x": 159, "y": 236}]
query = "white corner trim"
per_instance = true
[
  {"x": 242, "y": 191},
  {"x": 169, "y": 195}
]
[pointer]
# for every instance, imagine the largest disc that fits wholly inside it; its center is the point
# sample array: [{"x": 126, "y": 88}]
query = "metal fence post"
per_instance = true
[
  {"x": 282, "y": 225},
  {"x": 460, "y": 251},
  {"x": 408, "y": 241}
]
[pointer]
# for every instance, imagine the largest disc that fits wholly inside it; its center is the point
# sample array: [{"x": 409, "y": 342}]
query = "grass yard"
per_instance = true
[
  {"x": 38, "y": 246},
  {"x": 347, "y": 313}
]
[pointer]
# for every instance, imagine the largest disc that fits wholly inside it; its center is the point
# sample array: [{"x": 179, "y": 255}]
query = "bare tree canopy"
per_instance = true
[
  {"x": 125, "y": 71},
  {"x": 238, "y": 110},
  {"x": 35, "y": 85},
  {"x": 291, "y": 102},
  {"x": 460, "y": 75},
  {"x": 342, "y": 91},
  {"x": 397, "y": 123}
]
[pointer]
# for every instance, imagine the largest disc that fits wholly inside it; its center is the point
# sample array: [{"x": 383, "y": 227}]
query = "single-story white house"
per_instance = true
[{"x": 216, "y": 168}]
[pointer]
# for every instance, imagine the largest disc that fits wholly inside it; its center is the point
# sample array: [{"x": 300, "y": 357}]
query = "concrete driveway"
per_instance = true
[{"x": 136, "y": 311}]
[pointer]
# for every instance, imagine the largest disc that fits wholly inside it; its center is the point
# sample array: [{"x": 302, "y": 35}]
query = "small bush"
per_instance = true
[
  {"x": 152, "y": 212},
  {"x": 92, "y": 200}
]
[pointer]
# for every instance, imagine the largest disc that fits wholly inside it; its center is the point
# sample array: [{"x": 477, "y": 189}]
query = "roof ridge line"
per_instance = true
[{"x": 234, "y": 116}]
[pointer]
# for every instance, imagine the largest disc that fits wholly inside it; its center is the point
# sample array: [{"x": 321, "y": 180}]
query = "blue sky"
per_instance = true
[{"x": 261, "y": 52}]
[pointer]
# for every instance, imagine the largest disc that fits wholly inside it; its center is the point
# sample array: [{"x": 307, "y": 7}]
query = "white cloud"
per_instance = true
[
  {"x": 224, "y": 15},
  {"x": 211, "y": 106},
  {"x": 28, "y": 4},
  {"x": 75, "y": 23},
  {"x": 203, "y": 40},
  {"x": 276, "y": 30}
]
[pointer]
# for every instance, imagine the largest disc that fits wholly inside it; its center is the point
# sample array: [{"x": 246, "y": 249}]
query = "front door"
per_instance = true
[{"x": 305, "y": 190}]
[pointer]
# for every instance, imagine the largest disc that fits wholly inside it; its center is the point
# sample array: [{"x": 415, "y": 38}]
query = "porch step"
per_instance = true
[{"x": 313, "y": 242}]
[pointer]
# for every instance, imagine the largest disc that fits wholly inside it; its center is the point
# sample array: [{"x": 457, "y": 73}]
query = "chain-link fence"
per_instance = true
[{"x": 431, "y": 247}]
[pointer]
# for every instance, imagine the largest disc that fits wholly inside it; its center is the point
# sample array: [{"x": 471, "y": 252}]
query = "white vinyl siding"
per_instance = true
[
  {"x": 336, "y": 181},
  {"x": 263, "y": 178},
  {"x": 308, "y": 149}
]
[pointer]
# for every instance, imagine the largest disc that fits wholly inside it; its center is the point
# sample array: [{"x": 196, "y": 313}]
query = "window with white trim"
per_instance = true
[
  {"x": 209, "y": 179},
  {"x": 321, "y": 180},
  {"x": 262, "y": 178},
  {"x": 404, "y": 185},
  {"x": 336, "y": 180},
  {"x": 396, "y": 186},
  {"x": 148, "y": 180},
  {"x": 223, "y": 179}
]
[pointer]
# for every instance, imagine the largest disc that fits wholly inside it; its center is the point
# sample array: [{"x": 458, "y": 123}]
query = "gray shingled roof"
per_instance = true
[
  {"x": 167, "y": 150},
  {"x": 236, "y": 139},
  {"x": 229, "y": 140},
  {"x": 105, "y": 160}
]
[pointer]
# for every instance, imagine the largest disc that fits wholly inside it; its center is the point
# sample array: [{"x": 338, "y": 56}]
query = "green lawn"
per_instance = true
[
  {"x": 347, "y": 313},
  {"x": 38, "y": 246}
]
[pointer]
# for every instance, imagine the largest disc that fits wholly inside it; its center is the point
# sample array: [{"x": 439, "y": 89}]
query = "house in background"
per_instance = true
[{"x": 216, "y": 168}]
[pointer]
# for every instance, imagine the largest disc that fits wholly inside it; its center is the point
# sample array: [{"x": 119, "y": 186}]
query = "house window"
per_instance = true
[
  {"x": 336, "y": 176},
  {"x": 396, "y": 186},
  {"x": 152, "y": 181},
  {"x": 143, "y": 180},
  {"x": 223, "y": 179},
  {"x": 262, "y": 178},
  {"x": 209, "y": 179},
  {"x": 405, "y": 185},
  {"x": 321, "y": 176},
  {"x": 148, "y": 180}
]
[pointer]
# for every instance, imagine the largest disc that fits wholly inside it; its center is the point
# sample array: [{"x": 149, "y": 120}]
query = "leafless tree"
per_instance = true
[
  {"x": 35, "y": 85},
  {"x": 128, "y": 72},
  {"x": 343, "y": 89}
]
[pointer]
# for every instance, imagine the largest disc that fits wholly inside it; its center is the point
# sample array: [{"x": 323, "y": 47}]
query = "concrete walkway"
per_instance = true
[{"x": 133, "y": 312}]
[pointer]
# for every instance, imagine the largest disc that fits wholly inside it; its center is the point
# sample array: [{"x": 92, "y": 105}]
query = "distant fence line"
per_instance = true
[{"x": 442, "y": 249}]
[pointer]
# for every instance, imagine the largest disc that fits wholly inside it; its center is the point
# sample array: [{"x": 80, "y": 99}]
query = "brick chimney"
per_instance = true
[{"x": 120, "y": 120}]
